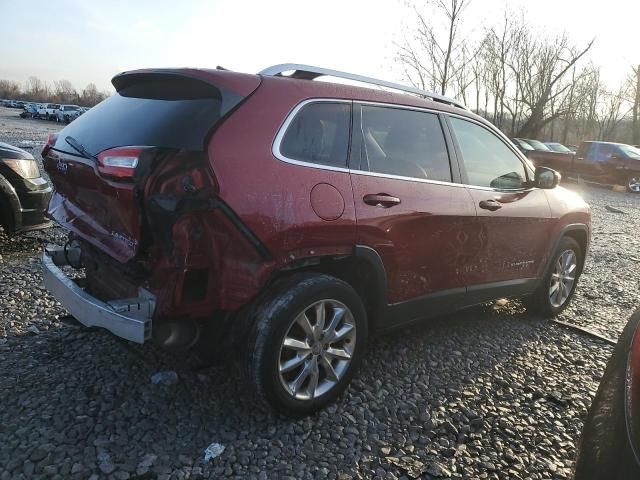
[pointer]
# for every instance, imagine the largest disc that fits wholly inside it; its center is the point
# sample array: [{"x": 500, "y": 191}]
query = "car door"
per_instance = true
[
  {"x": 409, "y": 205},
  {"x": 513, "y": 218},
  {"x": 592, "y": 159}
]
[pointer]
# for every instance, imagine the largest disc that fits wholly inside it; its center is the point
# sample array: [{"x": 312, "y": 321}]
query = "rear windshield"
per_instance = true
[{"x": 159, "y": 111}]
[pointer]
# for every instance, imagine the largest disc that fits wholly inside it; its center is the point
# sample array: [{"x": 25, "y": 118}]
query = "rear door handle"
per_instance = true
[
  {"x": 381, "y": 200},
  {"x": 491, "y": 205}
]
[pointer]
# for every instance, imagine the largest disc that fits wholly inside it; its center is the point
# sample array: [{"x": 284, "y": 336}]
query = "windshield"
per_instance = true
[
  {"x": 629, "y": 150},
  {"x": 558, "y": 147},
  {"x": 524, "y": 145},
  {"x": 538, "y": 145}
]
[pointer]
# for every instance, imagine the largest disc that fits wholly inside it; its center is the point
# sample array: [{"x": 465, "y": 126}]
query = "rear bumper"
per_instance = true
[{"x": 130, "y": 318}]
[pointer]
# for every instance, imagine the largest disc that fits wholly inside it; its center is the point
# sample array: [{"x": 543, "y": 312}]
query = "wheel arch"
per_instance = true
[
  {"x": 578, "y": 232},
  {"x": 10, "y": 208},
  {"x": 363, "y": 270}
]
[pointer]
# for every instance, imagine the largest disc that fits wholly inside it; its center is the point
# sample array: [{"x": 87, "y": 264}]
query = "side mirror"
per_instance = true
[{"x": 546, "y": 178}]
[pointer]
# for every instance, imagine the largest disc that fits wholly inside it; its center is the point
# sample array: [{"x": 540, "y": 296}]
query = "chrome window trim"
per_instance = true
[
  {"x": 403, "y": 107},
  {"x": 275, "y": 148},
  {"x": 408, "y": 179}
]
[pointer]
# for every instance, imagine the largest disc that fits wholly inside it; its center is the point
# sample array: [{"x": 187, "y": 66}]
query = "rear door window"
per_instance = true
[
  {"x": 406, "y": 143},
  {"x": 319, "y": 133},
  {"x": 487, "y": 160}
]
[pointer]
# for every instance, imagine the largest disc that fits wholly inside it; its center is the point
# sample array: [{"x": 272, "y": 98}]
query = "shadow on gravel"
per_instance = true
[{"x": 426, "y": 399}]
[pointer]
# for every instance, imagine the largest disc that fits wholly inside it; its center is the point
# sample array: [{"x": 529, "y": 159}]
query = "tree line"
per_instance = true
[
  {"x": 62, "y": 91},
  {"x": 526, "y": 84}
]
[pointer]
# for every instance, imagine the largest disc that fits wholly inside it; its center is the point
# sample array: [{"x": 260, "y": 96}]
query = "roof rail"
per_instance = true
[{"x": 308, "y": 72}]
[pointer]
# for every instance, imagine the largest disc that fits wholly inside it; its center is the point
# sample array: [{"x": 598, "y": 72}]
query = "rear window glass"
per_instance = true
[
  {"x": 172, "y": 113},
  {"x": 319, "y": 133}
]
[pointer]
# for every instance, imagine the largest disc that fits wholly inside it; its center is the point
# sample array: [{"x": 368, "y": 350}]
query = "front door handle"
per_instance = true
[
  {"x": 491, "y": 205},
  {"x": 381, "y": 200}
]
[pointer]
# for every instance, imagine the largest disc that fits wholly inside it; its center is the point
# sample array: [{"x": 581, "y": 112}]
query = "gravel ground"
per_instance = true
[{"x": 489, "y": 393}]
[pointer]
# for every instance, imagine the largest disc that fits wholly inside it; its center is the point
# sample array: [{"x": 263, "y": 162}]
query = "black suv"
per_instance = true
[{"x": 24, "y": 194}]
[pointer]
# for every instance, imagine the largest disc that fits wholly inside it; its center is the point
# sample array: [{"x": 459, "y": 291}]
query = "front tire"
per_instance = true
[
  {"x": 308, "y": 337},
  {"x": 633, "y": 183},
  {"x": 559, "y": 283}
]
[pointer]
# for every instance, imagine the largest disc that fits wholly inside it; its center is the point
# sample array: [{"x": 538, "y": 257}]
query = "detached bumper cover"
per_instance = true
[{"x": 128, "y": 318}]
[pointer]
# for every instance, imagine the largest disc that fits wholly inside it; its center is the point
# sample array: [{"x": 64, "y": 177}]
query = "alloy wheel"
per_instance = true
[
  {"x": 634, "y": 184},
  {"x": 317, "y": 349},
  {"x": 563, "y": 278}
]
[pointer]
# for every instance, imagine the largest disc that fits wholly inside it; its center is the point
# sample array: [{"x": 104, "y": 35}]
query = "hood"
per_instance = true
[{"x": 9, "y": 151}]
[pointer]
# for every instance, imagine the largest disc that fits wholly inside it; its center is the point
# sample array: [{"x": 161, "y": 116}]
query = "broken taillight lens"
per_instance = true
[
  {"x": 51, "y": 141},
  {"x": 119, "y": 163}
]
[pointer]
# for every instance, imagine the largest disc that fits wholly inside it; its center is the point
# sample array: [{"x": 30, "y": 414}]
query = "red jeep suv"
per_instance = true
[{"x": 287, "y": 218}]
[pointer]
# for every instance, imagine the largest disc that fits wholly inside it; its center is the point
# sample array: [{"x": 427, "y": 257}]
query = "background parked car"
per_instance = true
[
  {"x": 606, "y": 162},
  {"x": 603, "y": 162},
  {"x": 537, "y": 145},
  {"x": 558, "y": 147},
  {"x": 610, "y": 444},
  {"x": 24, "y": 194},
  {"x": 543, "y": 156},
  {"x": 30, "y": 111},
  {"x": 522, "y": 145},
  {"x": 48, "y": 111},
  {"x": 68, "y": 113}
]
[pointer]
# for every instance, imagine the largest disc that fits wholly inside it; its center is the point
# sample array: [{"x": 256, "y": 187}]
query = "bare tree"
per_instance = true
[
  {"x": 541, "y": 81},
  {"x": 611, "y": 110},
  {"x": 9, "y": 89},
  {"x": 436, "y": 54},
  {"x": 65, "y": 92},
  {"x": 635, "y": 100},
  {"x": 91, "y": 96},
  {"x": 36, "y": 89}
]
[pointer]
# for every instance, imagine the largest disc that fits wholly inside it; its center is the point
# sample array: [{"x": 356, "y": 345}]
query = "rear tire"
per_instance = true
[
  {"x": 307, "y": 339},
  {"x": 559, "y": 283}
]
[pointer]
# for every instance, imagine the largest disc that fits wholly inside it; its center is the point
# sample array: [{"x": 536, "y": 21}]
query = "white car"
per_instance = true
[
  {"x": 48, "y": 111},
  {"x": 68, "y": 113}
]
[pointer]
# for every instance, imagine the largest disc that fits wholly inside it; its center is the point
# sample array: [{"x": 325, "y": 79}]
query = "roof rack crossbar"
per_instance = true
[{"x": 308, "y": 72}]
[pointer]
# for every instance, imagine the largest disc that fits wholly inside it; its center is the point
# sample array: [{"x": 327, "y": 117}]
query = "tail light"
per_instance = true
[
  {"x": 51, "y": 141},
  {"x": 119, "y": 163}
]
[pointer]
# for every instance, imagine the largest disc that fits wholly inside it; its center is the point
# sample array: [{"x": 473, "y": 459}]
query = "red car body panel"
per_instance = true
[
  {"x": 76, "y": 207},
  {"x": 514, "y": 238},
  {"x": 425, "y": 241}
]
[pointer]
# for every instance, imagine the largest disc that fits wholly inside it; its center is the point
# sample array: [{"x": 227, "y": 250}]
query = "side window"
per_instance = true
[
  {"x": 404, "y": 142},
  {"x": 605, "y": 151},
  {"x": 319, "y": 133},
  {"x": 487, "y": 160}
]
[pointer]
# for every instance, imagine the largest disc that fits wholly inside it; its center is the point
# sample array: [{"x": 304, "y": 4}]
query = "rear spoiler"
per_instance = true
[{"x": 240, "y": 84}]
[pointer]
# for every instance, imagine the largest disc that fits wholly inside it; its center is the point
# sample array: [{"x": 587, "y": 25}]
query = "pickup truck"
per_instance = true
[
  {"x": 541, "y": 155},
  {"x": 603, "y": 162},
  {"x": 48, "y": 111}
]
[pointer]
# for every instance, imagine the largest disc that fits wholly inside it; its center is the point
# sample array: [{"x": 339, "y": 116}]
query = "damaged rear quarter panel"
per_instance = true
[{"x": 271, "y": 197}]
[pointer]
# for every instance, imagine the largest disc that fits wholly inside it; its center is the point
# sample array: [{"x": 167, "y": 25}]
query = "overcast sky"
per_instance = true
[{"x": 90, "y": 41}]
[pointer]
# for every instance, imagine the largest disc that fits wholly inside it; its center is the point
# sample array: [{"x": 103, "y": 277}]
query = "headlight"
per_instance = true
[{"x": 25, "y": 167}]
